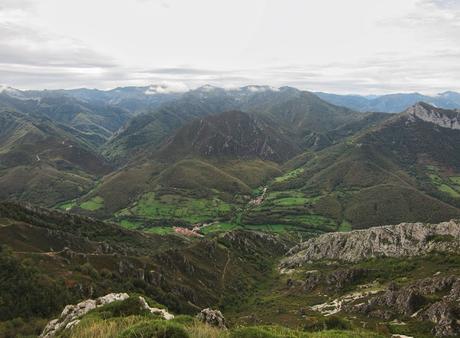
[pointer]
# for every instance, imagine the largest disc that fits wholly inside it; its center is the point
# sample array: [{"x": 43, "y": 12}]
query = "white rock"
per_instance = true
[
  {"x": 71, "y": 313},
  {"x": 162, "y": 312},
  {"x": 402, "y": 240}
]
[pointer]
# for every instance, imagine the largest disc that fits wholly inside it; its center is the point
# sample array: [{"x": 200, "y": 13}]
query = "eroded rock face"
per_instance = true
[
  {"x": 333, "y": 281},
  {"x": 71, "y": 314},
  {"x": 445, "y": 315},
  {"x": 414, "y": 301},
  {"x": 402, "y": 240},
  {"x": 341, "y": 278},
  {"x": 441, "y": 117},
  {"x": 212, "y": 317},
  {"x": 392, "y": 303}
]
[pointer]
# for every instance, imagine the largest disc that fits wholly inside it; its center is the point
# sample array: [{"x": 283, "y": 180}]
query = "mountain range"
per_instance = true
[
  {"x": 143, "y": 156},
  {"x": 392, "y": 103},
  {"x": 271, "y": 204}
]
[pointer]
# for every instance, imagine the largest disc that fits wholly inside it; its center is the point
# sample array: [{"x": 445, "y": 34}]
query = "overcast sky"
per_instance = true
[{"x": 352, "y": 46}]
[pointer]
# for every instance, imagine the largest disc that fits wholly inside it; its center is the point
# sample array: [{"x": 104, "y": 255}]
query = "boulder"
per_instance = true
[{"x": 212, "y": 317}]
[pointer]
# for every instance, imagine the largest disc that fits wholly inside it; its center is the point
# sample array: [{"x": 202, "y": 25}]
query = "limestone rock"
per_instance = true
[
  {"x": 402, "y": 240},
  {"x": 71, "y": 313},
  {"x": 162, "y": 312},
  {"x": 440, "y": 117},
  {"x": 413, "y": 301},
  {"x": 212, "y": 317},
  {"x": 444, "y": 315}
]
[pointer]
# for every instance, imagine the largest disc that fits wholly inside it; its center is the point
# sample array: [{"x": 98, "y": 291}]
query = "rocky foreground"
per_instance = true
[
  {"x": 402, "y": 240},
  {"x": 433, "y": 299}
]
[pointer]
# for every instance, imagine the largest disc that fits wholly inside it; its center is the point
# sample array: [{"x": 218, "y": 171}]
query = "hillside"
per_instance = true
[
  {"x": 95, "y": 121},
  {"x": 230, "y": 135},
  {"x": 201, "y": 173},
  {"x": 261, "y": 288},
  {"x": 299, "y": 112},
  {"x": 405, "y": 169},
  {"x": 404, "y": 276},
  {"x": 392, "y": 103},
  {"x": 45, "y": 162},
  {"x": 76, "y": 257},
  {"x": 193, "y": 159}
]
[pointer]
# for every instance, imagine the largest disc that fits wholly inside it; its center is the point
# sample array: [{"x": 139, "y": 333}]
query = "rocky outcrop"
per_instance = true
[
  {"x": 156, "y": 311},
  {"x": 212, "y": 317},
  {"x": 402, "y": 240},
  {"x": 441, "y": 117},
  {"x": 393, "y": 303},
  {"x": 445, "y": 315},
  {"x": 341, "y": 278},
  {"x": 334, "y": 281},
  {"x": 415, "y": 301},
  {"x": 71, "y": 314}
]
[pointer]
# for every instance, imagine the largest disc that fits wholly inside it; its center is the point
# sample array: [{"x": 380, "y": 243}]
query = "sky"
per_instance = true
[{"x": 352, "y": 46}]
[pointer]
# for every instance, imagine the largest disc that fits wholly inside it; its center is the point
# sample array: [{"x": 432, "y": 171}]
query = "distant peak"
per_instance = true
[
  {"x": 7, "y": 89},
  {"x": 164, "y": 89},
  {"x": 440, "y": 117},
  {"x": 258, "y": 89},
  {"x": 207, "y": 88}
]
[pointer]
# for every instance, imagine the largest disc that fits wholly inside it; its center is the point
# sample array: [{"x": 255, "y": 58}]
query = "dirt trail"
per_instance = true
[{"x": 222, "y": 277}]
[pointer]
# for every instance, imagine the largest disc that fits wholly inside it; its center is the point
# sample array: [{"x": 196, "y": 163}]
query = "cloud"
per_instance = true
[
  {"x": 30, "y": 55},
  {"x": 427, "y": 61},
  {"x": 443, "y": 4},
  {"x": 15, "y": 4}
]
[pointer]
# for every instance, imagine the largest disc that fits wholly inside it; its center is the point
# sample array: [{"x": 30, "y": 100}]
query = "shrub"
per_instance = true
[
  {"x": 337, "y": 323},
  {"x": 184, "y": 319},
  {"x": 130, "y": 306},
  {"x": 327, "y": 323},
  {"x": 155, "y": 329},
  {"x": 25, "y": 292}
]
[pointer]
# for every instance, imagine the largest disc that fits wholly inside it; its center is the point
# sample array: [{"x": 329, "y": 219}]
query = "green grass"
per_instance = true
[
  {"x": 93, "y": 204},
  {"x": 449, "y": 190},
  {"x": 288, "y": 201},
  {"x": 178, "y": 207},
  {"x": 285, "y": 194},
  {"x": 290, "y": 175},
  {"x": 281, "y": 332},
  {"x": 278, "y": 228},
  {"x": 292, "y": 208},
  {"x": 455, "y": 179},
  {"x": 130, "y": 224},
  {"x": 444, "y": 186},
  {"x": 432, "y": 168},
  {"x": 66, "y": 205},
  {"x": 435, "y": 179},
  {"x": 219, "y": 227},
  {"x": 288, "y": 198},
  {"x": 345, "y": 226},
  {"x": 160, "y": 230}
]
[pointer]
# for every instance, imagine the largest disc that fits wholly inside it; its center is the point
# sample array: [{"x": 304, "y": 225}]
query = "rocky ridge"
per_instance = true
[
  {"x": 402, "y": 240},
  {"x": 413, "y": 301},
  {"x": 71, "y": 314},
  {"x": 441, "y": 117}
]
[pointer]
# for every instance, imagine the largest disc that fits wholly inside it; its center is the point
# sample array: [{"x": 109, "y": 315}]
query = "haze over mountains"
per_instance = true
[{"x": 392, "y": 103}]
